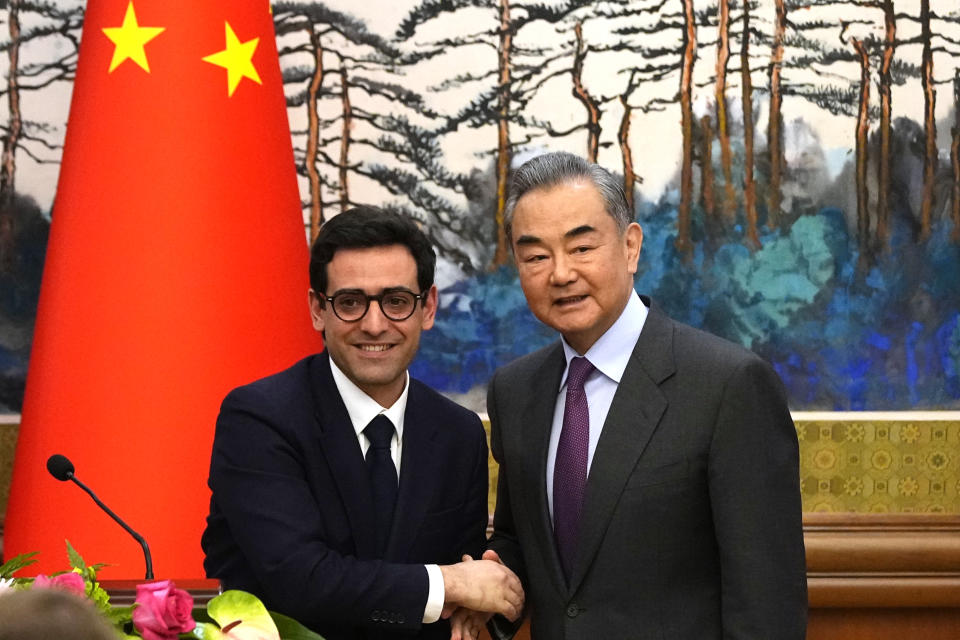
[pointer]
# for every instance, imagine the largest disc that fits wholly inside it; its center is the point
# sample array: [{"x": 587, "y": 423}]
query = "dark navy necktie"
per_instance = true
[
  {"x": 570, "y": 467},
  {"x": 383, "y": 476}
]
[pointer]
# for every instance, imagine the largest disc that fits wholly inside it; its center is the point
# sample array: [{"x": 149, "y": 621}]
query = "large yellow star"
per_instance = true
[
  {"x": 237, "y": 59},
  {"x": 129, "y": 39}
]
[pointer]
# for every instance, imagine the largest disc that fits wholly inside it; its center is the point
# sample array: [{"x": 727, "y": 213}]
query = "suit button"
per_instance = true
[
  {"x": 401, "y": 619},
  {"x": 392, "y": 617},
  {"x": 375, "y": 616},
  {"x": 573, "y": 611}
]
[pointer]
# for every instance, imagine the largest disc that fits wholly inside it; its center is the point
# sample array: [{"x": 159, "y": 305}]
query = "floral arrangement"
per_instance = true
[{"x": 161, "y": 610}]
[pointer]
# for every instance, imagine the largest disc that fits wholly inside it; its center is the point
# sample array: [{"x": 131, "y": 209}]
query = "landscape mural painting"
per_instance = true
[{"x": 795, "y": 166}]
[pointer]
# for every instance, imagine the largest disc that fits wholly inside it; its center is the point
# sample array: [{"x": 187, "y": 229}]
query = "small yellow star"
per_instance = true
[
  {"x": 130, "y": 39},
  {"x": 237, "y": 59}
]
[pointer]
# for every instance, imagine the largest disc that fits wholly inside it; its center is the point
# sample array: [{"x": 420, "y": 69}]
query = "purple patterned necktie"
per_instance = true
[{"x": 570, "y": 467}]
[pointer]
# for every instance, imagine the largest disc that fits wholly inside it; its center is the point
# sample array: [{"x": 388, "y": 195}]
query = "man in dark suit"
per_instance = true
[
  {"x": 308, "y": 512},
  {"x": 649, "y": 482}
]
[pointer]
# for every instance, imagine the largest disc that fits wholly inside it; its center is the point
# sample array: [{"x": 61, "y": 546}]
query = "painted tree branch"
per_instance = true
[
  {"x": 862, "y": 150},
  {"x": 683, "y": 242},
  {"x": 581, "y": 93},
  {"x": 929, "y": 123},
  {"x": 746, "y": 95},
  {"x": 883, "y": 164},
  {"x": 501, "y": 253},
  {"x": 720, "y": 97},
  {"x": 8, "y": 165},
  {"x": 313, "y": 133},
  {"x": 775, "y": 124}
]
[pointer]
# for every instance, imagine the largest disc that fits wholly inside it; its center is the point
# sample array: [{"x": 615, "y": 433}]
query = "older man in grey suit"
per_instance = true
[{"x": 648, "y": 471}]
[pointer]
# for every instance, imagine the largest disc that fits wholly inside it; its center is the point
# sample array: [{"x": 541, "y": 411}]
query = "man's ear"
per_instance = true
[
  {"x": 634, "y": 239},
  {"x": 316, "y": 309},
  {"x": 429, "y": 308}
]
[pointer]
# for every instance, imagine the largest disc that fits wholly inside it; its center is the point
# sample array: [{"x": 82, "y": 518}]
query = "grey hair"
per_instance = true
[{"x": 558, "y": 167}]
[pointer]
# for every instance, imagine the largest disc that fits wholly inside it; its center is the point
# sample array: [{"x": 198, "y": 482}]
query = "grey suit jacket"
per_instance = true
[{"x": 691, "y": 526}]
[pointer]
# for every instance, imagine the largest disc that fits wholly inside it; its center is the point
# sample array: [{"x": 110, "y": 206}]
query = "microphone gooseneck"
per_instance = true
[{"x": 62, "y": 469}]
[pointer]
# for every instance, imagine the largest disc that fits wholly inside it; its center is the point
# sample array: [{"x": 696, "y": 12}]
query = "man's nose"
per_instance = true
[
  {"x": 563, "y": 271},
  {"x": 373, "y": 321}
]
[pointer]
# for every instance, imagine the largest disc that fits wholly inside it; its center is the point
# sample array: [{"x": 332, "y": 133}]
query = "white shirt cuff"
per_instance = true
[{"x": 431, "y": 613}]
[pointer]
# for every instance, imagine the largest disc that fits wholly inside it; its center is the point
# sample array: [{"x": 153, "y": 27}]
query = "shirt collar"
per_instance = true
[
  {"x": 608, "y": 354},
  {"x": 362, "y": 408}
]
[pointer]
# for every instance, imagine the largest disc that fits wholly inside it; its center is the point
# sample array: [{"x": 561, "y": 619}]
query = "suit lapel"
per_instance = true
[
  {"x": 637, "y": 407},
  {"x": 418, "y": 473},
  {"x": 338, "y": 441},
  {"x": 535, "y": 424}
]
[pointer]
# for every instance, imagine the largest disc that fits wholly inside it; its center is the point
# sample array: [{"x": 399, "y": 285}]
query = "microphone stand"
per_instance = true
[{"x": 136, "y": 536}]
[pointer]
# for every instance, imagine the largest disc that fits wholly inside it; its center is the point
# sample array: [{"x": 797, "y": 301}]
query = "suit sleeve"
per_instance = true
[
  {"x": 259, "y": 483},
  {"x": 755, "y": 498},
  {"x": 504, "y": 539},
  {"x": 477, "y": 510},
  {"x": 472, "y": 535}
]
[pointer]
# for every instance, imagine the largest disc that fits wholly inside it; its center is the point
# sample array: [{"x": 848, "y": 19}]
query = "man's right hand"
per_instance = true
[
  {"x": 482, "y": 585},
  {"x": 466, "y": 624}
]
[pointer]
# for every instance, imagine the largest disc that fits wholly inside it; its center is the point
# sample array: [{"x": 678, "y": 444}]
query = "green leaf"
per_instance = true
[
  {"x": 14, "y": 564},
  {"x": 203, "y": 631},
  {"x": 119, "y": 616},
  {"x": 200, "y": 615},
  {"x": 290, "y": 629},
  {"x": 244, "y": 614},
  {"x": 100, "y": 597},
  {"x": 76, "y": 561}
]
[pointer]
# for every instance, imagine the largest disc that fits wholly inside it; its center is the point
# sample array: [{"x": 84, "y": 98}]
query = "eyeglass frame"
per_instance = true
[{"x": 417, "y": 297}]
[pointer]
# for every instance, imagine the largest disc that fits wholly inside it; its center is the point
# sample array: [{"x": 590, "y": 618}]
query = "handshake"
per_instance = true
[{"x": 475, "y": 590}]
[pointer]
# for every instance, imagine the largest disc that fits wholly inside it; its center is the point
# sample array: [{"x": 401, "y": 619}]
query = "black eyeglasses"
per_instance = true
[{"x": 396, "y": 305}]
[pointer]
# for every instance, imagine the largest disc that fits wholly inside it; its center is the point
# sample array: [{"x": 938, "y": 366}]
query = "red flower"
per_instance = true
[
  {"x": 66, "y": 581},
  {"x": 163, "y": 612}
]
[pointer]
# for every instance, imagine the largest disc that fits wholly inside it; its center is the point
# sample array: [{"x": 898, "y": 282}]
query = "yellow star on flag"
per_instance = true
[
  {"x": 237, "y": 59},
  {"x": 129, "y": 39}
]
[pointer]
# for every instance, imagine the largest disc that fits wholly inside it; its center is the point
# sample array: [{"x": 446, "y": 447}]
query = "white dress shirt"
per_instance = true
[
  {"x": 609, "y": 355},
  {"x": 362, "y": 409}
]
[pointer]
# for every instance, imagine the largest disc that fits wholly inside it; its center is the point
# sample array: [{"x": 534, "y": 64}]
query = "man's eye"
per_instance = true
[
  {"x": 582, "y": 249},
  {"x": 396, "y": 301},
  {"x": 349, "y": 303},
  {"x": 535, "y": 258}
]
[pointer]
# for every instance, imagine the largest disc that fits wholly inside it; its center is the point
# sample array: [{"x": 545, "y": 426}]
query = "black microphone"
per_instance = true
[{"x": 62, "y": 469}]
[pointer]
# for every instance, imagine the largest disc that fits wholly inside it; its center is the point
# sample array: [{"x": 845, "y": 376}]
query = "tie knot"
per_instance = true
[
  {"x": 580, "y": 368},
  {"x": 379, "y": 432}
]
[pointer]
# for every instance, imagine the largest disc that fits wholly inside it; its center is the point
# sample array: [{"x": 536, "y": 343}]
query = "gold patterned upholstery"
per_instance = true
[
  {"x": 891, "y": 463},
  {"x": 8, "y": 440},
  {"x": 871, "y": 462}
]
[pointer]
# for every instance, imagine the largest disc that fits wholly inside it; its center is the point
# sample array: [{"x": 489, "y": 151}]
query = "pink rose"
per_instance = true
[
  {"x": 66, "y": 581},
  {"x": 163, "y": 612}
]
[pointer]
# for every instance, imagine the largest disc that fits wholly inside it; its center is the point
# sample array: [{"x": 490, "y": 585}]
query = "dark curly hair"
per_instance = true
[{"x": 363, "y": 227}]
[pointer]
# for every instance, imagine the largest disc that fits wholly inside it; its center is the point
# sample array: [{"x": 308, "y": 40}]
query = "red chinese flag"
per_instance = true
[{"x": 176, "y": 270}]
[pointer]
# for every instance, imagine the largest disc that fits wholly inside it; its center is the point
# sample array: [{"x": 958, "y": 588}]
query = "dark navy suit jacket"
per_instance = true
[{"x": 291, "y": 516}]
